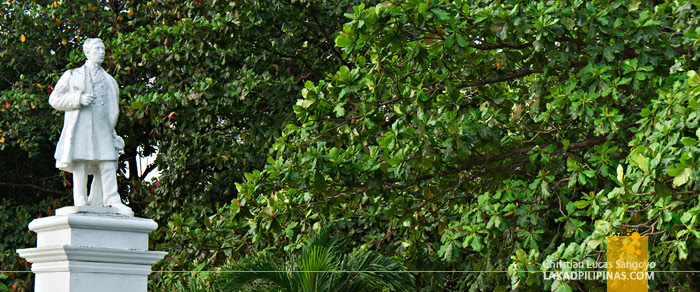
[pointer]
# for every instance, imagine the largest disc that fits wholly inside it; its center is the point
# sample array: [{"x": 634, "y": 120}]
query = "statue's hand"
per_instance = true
[{"x": 86, "y": 99}]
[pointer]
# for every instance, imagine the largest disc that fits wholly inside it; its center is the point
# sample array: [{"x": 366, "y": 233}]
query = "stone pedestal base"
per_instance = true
[{"x": 91, "y": 249}]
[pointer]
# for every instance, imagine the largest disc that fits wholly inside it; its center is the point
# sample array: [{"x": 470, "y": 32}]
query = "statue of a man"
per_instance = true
[{"x": 89, "y": 145}]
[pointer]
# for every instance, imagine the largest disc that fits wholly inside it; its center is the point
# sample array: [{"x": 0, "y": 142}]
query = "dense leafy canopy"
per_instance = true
[
  {"x": 493, "y": 135},
  {"x": 454, "y": 135},
  {"x": 207, "y": 84}
]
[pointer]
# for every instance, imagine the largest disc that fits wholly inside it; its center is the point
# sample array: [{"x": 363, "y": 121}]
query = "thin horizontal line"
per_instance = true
[{"x": 329, "y": 271}]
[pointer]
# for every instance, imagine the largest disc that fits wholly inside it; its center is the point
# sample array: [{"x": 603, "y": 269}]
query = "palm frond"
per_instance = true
[
  {"x": 315, "y": 270},
  {"x": 252, "y": 274},
  {"x": 385, "y": 279}
]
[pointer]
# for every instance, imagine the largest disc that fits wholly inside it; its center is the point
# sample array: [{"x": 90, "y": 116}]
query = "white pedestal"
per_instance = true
[{"x": 91, "y": 249}]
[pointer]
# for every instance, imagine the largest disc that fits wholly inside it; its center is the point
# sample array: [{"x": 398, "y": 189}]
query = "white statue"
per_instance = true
[{"x": 89, "y": 145}]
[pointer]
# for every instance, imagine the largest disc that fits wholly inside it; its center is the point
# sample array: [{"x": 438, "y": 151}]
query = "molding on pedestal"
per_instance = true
[
  {"x": 93, "y": 221},
  {"x": 90, "y": 254},
  {"x": 90, "y": 267}
]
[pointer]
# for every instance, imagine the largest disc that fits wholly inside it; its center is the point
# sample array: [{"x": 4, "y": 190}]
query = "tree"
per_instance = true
[
  {"x": 205, "y": 84},
  {"x": 492, "y": 135}
]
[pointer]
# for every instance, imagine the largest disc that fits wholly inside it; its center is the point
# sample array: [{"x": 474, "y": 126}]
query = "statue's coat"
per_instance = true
[{"x": 88, "y": 131}]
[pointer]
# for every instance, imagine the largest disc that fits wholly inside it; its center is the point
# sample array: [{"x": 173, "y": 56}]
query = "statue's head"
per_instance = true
[{"x": 94, "y": 50}]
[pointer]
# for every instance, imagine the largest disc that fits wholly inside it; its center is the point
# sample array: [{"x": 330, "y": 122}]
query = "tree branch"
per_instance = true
[
  {"x": 328, "y": 39},
  {"x": 574, "y": 64},
  {"x": 148, "y": 170},
  {"x": 43, "y": 189},
  {"x": 500, "y": 46}
]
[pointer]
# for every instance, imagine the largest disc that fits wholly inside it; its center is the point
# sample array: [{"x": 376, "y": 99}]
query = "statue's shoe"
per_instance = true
[{"x": 122, "y": 209}]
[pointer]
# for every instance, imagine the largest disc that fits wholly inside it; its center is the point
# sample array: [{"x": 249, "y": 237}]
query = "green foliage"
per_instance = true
[
  {"x": 207, "y": 85},
  {"x": 304, "y": 272},
  {"x": 187, "y": 282},
  {"x": 480, "y": 135},
  {"x": 14, "y": 233}
]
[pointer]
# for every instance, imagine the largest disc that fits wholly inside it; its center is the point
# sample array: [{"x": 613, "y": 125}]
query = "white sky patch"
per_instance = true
[{"x": 142, "y": 163}]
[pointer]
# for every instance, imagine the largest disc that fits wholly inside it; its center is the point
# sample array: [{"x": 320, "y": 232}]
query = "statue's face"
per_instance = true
[{"x": 96, "y": 53}]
